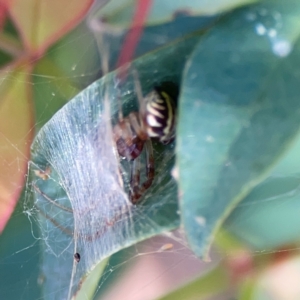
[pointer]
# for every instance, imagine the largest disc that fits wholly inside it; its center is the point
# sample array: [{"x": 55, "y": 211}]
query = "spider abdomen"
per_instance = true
[{"x": 159, "y": 116}]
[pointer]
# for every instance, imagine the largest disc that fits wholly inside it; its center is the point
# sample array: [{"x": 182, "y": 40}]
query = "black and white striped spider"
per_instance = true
[{"x": 156, "y": 119}]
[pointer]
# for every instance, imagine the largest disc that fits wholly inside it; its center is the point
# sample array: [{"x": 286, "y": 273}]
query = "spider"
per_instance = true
[{"x": 156, "y": 119}]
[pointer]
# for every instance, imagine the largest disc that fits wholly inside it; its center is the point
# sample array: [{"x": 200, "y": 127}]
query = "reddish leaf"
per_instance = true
[
  {"x": 2, "y": 13},
  {"x": 16, "y": 134},
  {"x": 42, "y": 22},
  {"x": 136, "y": 28}
]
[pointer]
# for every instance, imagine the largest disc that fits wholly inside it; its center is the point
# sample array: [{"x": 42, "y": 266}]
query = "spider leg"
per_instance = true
[
  {"x": 137, "y": 125},
  {"x": 51, "y": 201},
  {"x": 136, "y": 190},
  {"x": 137, "y": 87},
  {"x": 125, "y": 124},
  {"x": 150, "y": 165},
  {"x": 134, "y": 194},
  {"x": 123, "y": 130}
]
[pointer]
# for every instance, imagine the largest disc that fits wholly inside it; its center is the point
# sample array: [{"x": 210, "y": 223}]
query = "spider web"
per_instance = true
[{"x": 86, "y": 168}]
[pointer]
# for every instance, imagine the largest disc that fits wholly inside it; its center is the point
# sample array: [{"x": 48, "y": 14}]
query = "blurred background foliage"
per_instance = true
[{"x": 48, "y": 55}]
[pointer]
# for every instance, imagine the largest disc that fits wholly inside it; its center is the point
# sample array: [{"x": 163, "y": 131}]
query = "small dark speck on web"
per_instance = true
[{"x": 77, "y": 257}]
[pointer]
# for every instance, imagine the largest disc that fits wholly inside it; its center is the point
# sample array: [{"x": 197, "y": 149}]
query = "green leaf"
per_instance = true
[
  {"x": 119, "y": 13},
  {"x": 41, "y": 23},
  {"x": 74, "y": 164},
  {"x": 91, "y": 282},
  {"x": 239, "y": 113},
  {"x": 246, "y": 289},
  {"x": 77, "y": 56},
  {"x": 268, "y": 217},
  {"x": 52, "y": 89},
  {"x": 152, "y": 36}
]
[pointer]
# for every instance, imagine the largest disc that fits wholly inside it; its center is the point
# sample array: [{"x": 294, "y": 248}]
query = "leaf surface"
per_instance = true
[
  {"x": 239, "y": 113},
  {"x": 42, "y": 22}
]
